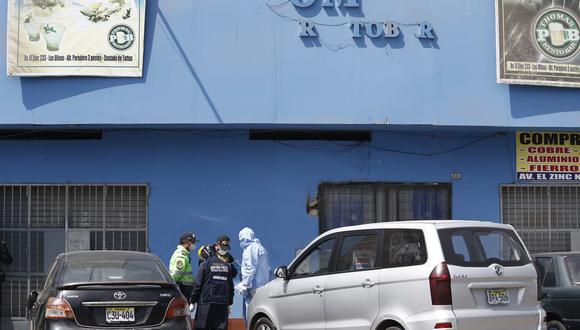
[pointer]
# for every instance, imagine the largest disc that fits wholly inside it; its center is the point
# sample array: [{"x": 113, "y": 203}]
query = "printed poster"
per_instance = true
[
  {"x": 548, "y": 156},
  {"x": 538, "y": 42},
  {"x": 75, "y": 37}
]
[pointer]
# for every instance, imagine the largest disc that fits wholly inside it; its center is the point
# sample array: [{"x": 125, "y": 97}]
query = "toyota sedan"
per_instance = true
[{"x": 108, "y": 289}]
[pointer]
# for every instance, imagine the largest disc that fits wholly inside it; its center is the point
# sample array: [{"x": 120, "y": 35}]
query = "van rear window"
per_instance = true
[{"x": 481, "y": 247}]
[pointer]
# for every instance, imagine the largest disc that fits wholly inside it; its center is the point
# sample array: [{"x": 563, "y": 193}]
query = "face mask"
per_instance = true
[
  {"x": 222, "y": 252},
  {"x": 192, "y": 248}
]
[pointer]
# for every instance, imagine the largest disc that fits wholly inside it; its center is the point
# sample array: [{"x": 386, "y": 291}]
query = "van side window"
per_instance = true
[
  {"x": 546, "y": 271},
  {"x": 404, "y": 247},
  {"x": 317, "y": 261},
  {"x": 358, "y": 252}
]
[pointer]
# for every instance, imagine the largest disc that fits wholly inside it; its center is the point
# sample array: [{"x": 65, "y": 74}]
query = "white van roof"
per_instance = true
[{"x": 416, "y": 224}]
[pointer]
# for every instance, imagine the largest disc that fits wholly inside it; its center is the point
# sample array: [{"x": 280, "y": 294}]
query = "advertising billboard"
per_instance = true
[
  {"x": 75, "y": 38},
  {"x": 538, "y": 42},
  {"x": 548, "y": 156}
]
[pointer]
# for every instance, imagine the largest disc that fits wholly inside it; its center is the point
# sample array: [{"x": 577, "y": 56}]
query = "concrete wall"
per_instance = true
[
  {"x": 224, "y": 62},
  {"x": 216, "y": 182}
]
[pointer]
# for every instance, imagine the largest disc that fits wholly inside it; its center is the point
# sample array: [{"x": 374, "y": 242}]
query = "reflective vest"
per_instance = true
[{"x": 180, "y": 266}]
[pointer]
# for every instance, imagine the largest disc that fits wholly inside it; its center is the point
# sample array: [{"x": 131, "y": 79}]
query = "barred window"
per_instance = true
[
  {"x": 41, "y": 221},
  {"x": 545, "y": 216},
  {"x": 346, "y": 204}
]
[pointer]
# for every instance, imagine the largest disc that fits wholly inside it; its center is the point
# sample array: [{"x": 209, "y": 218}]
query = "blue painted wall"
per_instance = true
[
  {"x": 218, "y": 182},
  {"x": 231, "y": 61}
]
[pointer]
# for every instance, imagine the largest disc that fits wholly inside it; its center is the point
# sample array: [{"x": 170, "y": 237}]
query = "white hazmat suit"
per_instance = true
[{"x": 255, "y": 268}]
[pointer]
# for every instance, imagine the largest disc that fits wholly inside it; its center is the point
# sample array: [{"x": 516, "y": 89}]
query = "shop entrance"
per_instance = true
[
  {"x": 41, "y": 221},
  {"x": 547, "y": 217}
]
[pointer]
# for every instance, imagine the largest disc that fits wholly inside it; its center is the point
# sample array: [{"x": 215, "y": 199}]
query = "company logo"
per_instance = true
[
  {"x": 499, "y": 270},
  {"x": 120, "y": 295},
  {"x": 557, "y": 34},
  {"x": 121, "y": 37}
]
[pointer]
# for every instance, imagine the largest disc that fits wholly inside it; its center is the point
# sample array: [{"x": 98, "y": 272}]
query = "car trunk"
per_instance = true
[
  {"x": 482, "y": 299},
  {"x": 492, "y": 279},
  {"x": 119, "y": 305}
]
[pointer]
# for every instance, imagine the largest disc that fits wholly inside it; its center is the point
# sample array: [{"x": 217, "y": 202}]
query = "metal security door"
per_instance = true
[
  {"x": 546, "y": 216},
  {"x": 41, "y": 221}
]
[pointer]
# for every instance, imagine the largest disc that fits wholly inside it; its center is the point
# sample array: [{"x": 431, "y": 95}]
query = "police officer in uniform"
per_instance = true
[
  {"x": 214, "y": 289},
  {"x": 180, "y": 264}
]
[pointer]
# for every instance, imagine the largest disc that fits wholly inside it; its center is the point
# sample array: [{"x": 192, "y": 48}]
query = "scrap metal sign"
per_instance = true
[
  {"x": 538, "y": 42},
  {"x": 76, "y": 37},
  {"x": 548, "y": 156}
]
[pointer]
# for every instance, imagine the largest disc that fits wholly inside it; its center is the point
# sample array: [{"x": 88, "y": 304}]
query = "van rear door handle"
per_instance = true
[
  {"x": 317, "y": 290},
  {"x": 368, "y": 283}
]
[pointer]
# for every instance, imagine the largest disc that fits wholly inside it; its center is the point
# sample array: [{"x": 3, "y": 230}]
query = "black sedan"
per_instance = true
[
  {"x": 559, "y": 276},
  {"x": 108, "y": 289}
]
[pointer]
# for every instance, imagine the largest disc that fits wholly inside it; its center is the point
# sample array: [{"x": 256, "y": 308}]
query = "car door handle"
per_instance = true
[
  {"x": 317, "y": 290},
  {"x": 368, "y": 283}
]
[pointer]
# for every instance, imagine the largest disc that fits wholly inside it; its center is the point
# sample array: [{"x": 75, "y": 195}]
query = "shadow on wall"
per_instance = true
[
  {"x": 529, "y": 101},
  {"x": 39, "y": 91}
]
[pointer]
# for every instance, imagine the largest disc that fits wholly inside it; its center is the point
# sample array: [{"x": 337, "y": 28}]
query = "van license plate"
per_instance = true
[
  {"x": 497, "y": 296},
  {"x": 120, "y": 314}
]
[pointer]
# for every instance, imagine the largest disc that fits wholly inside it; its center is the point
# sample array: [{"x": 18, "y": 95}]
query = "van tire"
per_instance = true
[
  {"x": 264, "y": 323},
  {"x": 555, "y": 325}
]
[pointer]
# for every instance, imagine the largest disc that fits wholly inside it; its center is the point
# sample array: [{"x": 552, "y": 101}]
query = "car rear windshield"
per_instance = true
[
  {"x": 481, "y": 247},
  {"x": 119, "y": 269},
  {"x": 573, "y": 265}
]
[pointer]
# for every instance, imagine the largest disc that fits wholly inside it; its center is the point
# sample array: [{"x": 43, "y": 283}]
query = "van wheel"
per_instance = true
[
  {"x": 555, "y": 325},
  {"x": 264, "y": 323}
]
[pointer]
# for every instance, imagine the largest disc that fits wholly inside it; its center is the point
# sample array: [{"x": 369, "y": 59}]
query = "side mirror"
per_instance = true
[
  {"x": 32, "y": 297},
  {"x": 282, "y": 272}
]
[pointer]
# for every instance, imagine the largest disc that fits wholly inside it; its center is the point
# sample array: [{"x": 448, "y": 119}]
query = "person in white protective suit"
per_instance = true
[{"x": 255, "y": 268}]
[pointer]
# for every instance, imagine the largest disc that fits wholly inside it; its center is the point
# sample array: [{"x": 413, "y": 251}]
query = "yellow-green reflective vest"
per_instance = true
[{"x": 180, "y": 266}]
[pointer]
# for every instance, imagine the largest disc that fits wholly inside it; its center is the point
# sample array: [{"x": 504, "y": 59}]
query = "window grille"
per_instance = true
[
  {"x": 346, "y": 204},
  {"x": 543, "y": 215},
  {"x": 39, "y": 221}
]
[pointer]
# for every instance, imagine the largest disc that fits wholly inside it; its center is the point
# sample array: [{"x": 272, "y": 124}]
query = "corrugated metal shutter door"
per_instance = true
[{"x": 544, "y": 215}]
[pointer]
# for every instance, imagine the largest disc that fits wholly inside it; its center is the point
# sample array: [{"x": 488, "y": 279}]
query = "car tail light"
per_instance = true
[
  {"x": 179, "y": 307},
  {"x": 440, "y": 284},
  {"x": 58, "y": 309},
  {"x": 446, "y": 325}
]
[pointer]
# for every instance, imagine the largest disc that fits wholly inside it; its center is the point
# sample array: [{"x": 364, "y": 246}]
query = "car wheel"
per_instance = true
[
  {"x": 393, "y": 327},
  {"x": 264, "y": 324},
  {"x": 555, "y": 325}
]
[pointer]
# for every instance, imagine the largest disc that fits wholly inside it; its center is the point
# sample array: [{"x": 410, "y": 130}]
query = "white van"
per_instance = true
[{"x": 412, "y": 275}]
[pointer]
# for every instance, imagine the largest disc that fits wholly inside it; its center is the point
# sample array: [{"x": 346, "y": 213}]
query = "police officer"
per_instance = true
[
  {"x": 5, "y": 259},
  {"x": 180, "y": 264},
  {"x": 214, "y": 289}
]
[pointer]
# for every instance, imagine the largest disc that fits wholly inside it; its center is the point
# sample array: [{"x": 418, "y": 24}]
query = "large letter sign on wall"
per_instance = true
[
  {"x": 359, "y": 28},
  {"x": 538, "y": 42},
  {"x": 76, "y": 37},
  {"x": 549, "y": 156}
]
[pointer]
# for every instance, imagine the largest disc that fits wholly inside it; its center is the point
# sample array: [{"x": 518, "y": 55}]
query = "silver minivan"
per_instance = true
[{"x": 413, "y": 275}]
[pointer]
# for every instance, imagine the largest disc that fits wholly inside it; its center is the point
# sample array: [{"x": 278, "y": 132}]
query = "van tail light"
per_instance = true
[
  {"x": 58, "y": 309},
  {"x": 179, "y": 307},
  {"x": 538, "y": 283},
  {"x": 440, "y": 284}
]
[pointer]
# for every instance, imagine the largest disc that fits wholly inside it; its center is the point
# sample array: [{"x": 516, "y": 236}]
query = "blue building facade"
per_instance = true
[{"x": 239, "y": 121}]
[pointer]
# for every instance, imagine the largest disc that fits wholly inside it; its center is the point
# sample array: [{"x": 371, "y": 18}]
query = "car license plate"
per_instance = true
[
  {"x": 497, "y": 296},
  {"x": 120, "y": 314}
]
